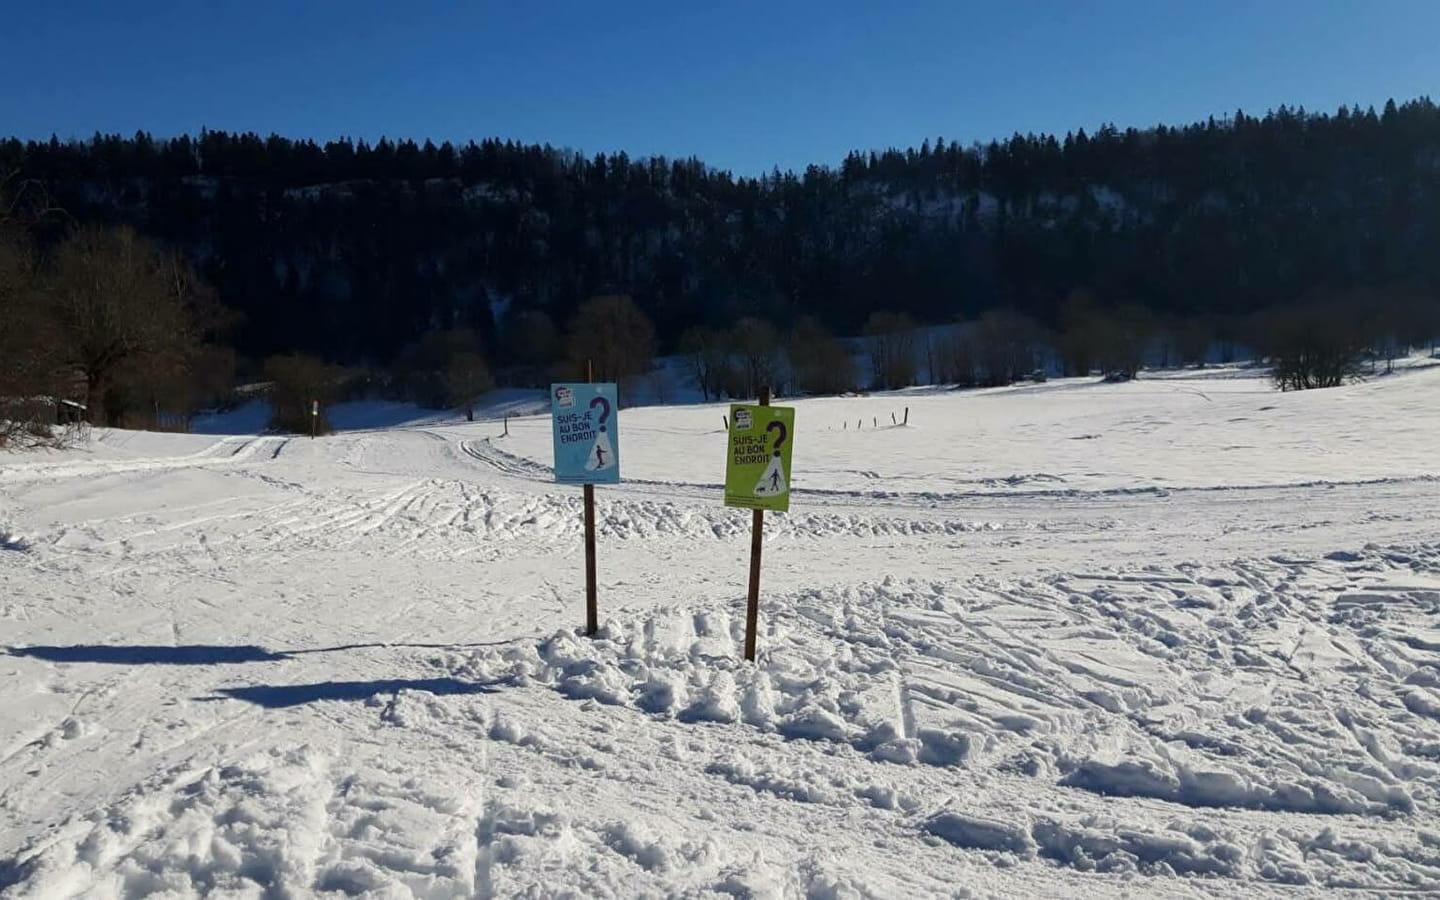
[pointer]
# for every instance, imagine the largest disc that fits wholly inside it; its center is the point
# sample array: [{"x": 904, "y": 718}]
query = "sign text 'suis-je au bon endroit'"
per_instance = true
[
  {"x": 574, "y": 428},
  {"x": 750, "y": 450}
]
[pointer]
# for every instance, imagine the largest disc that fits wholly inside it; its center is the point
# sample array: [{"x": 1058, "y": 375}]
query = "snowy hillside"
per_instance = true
[{"x": 1175, "y": 637}]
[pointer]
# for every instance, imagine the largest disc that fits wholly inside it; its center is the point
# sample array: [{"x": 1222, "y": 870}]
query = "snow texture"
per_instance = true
[{"x": 1173, "y": 637}]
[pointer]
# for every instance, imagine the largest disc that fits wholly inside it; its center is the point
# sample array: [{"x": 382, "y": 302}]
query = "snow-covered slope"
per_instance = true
[
  {"x": 1173, "y": 637},
  {"x": 1202, "y": 429},
  {"x": 254, "y": 416}
]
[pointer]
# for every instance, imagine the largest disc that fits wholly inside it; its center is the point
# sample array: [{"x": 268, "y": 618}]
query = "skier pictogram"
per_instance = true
[{"x": 602, "y": 455}]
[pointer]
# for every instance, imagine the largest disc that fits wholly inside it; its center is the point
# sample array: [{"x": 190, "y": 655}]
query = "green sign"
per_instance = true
[{"x": 757, "y": 461}]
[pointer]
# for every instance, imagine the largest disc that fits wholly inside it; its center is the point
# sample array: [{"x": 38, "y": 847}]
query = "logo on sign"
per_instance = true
[
  {"x": 742, "y": 420},
  {"x": 564, "y": 398}
]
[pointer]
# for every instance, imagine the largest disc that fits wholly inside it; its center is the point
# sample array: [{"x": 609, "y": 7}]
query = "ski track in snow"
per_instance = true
[{"x": 267, "y": 666}]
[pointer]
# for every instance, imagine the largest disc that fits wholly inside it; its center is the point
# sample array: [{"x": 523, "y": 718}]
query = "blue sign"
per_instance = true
[{"x": 587, "y": 433}]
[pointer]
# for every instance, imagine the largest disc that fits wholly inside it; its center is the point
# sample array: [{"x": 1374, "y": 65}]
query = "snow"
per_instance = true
[
  {"x": 253, "y": 416},
  {"x": 1172, "y": 637}
]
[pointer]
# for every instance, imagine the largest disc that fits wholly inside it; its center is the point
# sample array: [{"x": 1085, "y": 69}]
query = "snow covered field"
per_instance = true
[{"x": 1176, "y": 637}]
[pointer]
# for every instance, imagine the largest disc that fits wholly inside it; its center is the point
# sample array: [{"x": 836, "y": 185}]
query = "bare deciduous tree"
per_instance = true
[
  {"x": 1410, "y": 318},
  {"x": 955, "y": 357},
  {"x": 1124, "y": 336},
  {"x": 1315, "y": 345},
  {"x": 466, "y": 378},
  {"x": 614, "y": 336},
  {"x": 706, "y": 360},
  {"x": 756, "y": 345},
  {"x": 20, "y": 381},
  {"x": 892, "y": 349},
  {"x": 1005, "y": 344},
  {"x": 1080, "y": 335},
  {"x": 31, "y": 375},
  {"x": 117, "y": 304},
  {"x": 444, "y": 370},
  {"x": 297, "y": 381},
  {"x": 821, "y": 362}
]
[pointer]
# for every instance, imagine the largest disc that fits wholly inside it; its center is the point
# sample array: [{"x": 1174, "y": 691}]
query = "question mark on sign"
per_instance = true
[
  {"x": 604, "y": 412},
  {"x": 779, "y": 426}
]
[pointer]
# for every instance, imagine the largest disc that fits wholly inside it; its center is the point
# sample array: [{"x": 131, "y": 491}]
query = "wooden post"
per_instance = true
[
  {"x": 892, "y": 418},
  {"x": 592, "y": 610},
  {"x": 907, "y": 416},
  {"x": 757, "y": 532},
  {"x": 507, "y": 425}
]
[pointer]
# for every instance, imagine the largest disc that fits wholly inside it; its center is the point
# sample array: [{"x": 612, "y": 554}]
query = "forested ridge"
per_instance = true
[{"x": 351, "y": 251}]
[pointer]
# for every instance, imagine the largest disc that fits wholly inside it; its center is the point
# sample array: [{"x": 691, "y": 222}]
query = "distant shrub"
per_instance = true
[
  {"x": 297, "y": 381},
  {"x": 1319, "y": 345}
]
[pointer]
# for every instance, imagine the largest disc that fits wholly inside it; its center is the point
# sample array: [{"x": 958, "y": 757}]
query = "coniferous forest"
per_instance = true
[{"x": 352, "y": 252}]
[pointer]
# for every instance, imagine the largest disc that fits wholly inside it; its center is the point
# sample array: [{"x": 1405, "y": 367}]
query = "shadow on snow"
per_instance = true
[
  {"x": 139, "y": 654},
  {"x": 271, "y": 696},
  {"x": 279, "y": 696},
  {"x": 198, "y": 654},
  {"x": 12, "y": 872}
]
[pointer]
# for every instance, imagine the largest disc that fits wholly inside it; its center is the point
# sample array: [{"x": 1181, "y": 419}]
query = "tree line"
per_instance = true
[
  {"x": 106, "y": 315},
  {"x": 351, "y": 250},
  {"x": 1323, "y": 342},
  {"x": 147, "y": 275}
]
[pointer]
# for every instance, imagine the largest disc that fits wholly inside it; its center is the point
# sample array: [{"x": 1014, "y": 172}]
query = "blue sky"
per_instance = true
[{"x": 743, "y": 85}]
